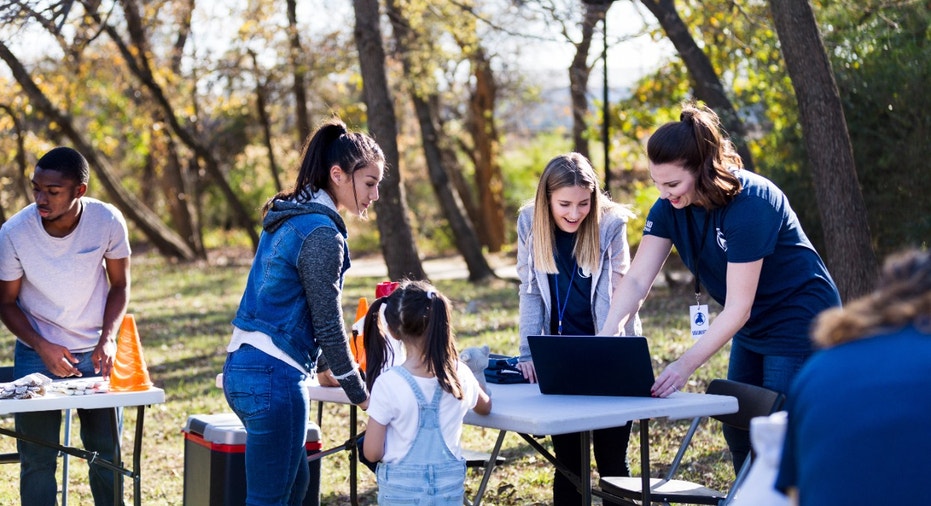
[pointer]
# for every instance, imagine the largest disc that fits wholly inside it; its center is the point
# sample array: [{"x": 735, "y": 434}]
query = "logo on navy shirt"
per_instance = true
[
  {"x": 722, "y": 242},
  {"x": 648, "y": 226}
]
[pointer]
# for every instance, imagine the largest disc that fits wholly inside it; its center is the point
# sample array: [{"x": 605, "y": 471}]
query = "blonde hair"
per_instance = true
[
  {"x": 902, "y": 298},
  {"x": 569, "y": 170}
]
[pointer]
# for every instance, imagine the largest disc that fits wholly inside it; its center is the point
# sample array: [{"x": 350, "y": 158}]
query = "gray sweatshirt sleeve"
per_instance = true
[
  {"x": 534, "y": 318},
  {"x": 319, "y": 266}
]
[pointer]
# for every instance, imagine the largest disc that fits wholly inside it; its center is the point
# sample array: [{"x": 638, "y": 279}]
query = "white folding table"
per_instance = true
[
  {"x": 54, "y": 401},
  {"x": 521, "y": 408}
]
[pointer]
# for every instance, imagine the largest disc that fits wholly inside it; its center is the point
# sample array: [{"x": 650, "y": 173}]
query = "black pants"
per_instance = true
[
  {"x": 610, "y": 447},
  {"x": 738, "y": 441}
]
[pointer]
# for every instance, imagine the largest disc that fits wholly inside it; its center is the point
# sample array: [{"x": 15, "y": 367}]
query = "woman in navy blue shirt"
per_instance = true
[{"x": 743, "y": 243}]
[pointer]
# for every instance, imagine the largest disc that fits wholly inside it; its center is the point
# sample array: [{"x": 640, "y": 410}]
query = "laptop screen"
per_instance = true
[{"x": 592, "y": 365}]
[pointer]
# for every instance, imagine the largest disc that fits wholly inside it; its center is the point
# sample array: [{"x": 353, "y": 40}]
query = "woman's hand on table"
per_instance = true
[
  {"x": 527, "y": 369},
  {"x": 671, "y": 380},
  {"x": 326, "y": 379}
]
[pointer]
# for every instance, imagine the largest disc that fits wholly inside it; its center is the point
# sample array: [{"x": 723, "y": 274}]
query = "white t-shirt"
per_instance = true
[
  {"x": 64, "y": 280},
  {"x": 392, "y": 403}
]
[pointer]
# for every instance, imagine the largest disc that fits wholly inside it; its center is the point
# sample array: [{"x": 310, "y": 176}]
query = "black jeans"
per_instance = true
[{"x": 610, "y": 448}]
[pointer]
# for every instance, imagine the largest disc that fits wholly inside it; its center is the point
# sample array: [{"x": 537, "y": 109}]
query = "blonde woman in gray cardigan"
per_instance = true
[{"x": 571, "y": 253}]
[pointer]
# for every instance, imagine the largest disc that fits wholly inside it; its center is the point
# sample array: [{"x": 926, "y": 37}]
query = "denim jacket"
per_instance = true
[{"x": 276, "y": 301}]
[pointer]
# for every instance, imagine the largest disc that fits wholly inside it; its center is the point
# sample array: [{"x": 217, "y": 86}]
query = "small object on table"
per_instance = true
[
  {"x": 83, "y": 386},
  {"x": 28, "y": 387}
]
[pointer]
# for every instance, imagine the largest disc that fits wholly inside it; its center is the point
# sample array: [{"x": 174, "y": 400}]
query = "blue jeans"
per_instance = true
[
  {"x": 270, "y": 398},
  {"x": 37, "y": 483},
  {"x": 774, "y": 372}
]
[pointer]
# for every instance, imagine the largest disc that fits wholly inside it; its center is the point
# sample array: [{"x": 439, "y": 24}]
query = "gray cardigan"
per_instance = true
[{"x": 535, "y": 299}]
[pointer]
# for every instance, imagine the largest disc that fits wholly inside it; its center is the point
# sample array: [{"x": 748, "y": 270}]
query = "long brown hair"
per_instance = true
[
  {"x": 414, "y": 311},
  {"x": 698, "y": 143},
  {"x": 902, "y": 297}
]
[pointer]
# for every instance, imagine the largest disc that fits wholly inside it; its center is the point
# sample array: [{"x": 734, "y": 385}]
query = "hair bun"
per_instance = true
[{"x": 687, "y": 114}]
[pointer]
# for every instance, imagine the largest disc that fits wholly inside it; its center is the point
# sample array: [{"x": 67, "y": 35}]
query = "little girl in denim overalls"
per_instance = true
[{"x": 418, "y": 452}]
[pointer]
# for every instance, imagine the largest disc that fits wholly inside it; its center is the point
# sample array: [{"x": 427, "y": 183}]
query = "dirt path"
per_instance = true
[{"x": 453, "y": 267}]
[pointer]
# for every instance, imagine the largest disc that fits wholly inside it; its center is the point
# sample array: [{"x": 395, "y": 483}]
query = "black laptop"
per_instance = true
[{"x": 592, "y": 365}]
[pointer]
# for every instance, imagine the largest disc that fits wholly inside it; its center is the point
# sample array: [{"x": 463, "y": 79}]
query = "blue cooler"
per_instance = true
[{"x": 215, "y": 461}]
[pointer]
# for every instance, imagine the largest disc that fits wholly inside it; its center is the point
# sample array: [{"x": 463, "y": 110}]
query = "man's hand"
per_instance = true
[
  {"x": 103, "y": 356},
  {"x": 58, "y": 360}
]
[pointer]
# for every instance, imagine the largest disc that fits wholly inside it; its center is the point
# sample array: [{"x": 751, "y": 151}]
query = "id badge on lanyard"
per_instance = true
[{"x": 699, "y": 319}]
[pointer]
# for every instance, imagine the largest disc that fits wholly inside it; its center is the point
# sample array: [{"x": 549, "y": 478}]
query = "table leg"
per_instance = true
[
  {"x": 64, "y": 460},
  {"x": 137, "y": 457},
  {"x": 645, "y": 460},
  {"x": 117, "y": 458},
  {"x": 353, "y": 458},
  {"x": 585, "y": 472},
  {"x": 489, "y": 467}
]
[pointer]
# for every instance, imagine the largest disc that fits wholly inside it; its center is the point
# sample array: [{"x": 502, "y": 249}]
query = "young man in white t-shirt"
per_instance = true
[{"x": 64, "y": 288}]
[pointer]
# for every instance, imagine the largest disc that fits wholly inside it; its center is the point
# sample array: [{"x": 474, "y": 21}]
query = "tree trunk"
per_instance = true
[
  {"x": 481, "y": 152},
  {"x": 850, "y": 255},
  {"x": 180, "y": 195},
  {"x": 397, "y": 240},
  {"x": 179, "y": 185},
  {"x": 142, "y": 70},
  {"x": 21, "y": 183},
  {"x": 488, "y": 179},
  {"x": 579, "y": 72},
  {"x": 708, "y": 87},
  {"x": 298, "y": 71},
  {"x": 264, "y": 121},
  {"x": 463, "y": 233},
  {"x": 165, "y": 239},
  {"x": 183, "y": 14}
]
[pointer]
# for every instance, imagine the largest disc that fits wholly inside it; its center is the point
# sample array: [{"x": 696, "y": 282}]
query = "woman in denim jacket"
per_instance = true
[
  {"x": 571, "y": 253},
  {"x": 291, "y": 310}
]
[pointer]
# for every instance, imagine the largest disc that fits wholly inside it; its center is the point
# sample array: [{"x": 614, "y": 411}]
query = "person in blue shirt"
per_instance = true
[
  {"x": 857, "y": 412},
  {"x": 290, "y": 317},
  {"x": 740, "y": 238}
]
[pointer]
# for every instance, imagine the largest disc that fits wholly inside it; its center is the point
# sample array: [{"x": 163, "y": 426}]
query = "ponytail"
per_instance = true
[
  {"x": 414, "y": 312},
  {"x": 377, "y": 351},
  {"x": 332, "y": 144},
  {"x": 698, "y": 143},
  {"x": 440, "y": 345}
]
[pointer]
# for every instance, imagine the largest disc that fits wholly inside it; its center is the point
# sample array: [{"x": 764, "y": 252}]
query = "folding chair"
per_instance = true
[{"x": 752, "y": 401}]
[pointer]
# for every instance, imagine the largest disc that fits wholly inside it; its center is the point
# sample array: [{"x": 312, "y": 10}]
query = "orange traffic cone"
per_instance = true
[
  {"x": 357, "y": 344},
  {"x": 129, "y": 373}
]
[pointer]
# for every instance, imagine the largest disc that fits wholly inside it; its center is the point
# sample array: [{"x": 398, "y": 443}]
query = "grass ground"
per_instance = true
[{"x": 183, "y": 314}]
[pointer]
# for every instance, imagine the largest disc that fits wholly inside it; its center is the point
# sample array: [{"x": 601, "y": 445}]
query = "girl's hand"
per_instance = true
[{"x": 527, "y": 369}]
